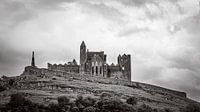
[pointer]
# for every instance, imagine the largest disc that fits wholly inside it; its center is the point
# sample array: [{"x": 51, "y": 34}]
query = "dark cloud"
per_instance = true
[
  {"x": 188, "y": 61},
  {"x": 13, "y": 13},
  {"x": 12, "y": 62}
]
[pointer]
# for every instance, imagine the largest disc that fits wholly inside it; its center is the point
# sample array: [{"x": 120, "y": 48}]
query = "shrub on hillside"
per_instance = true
[
  {"x": 167, "y": 110},
  {"x": 18, "y": 103},
  {"x": 18, "y": 99},
  {"x": 52, "y": 107},
  {"x": 2, "y": 88},
  {"x": 79, "y": 99},
  {"x": 105, "y": 95},
  {"x": 11, "y": 82},
  {"x": 79, "y": 102},
  {"x": 64, "y": 103},
  {"x": 63, "y": 100},
  {"x": 88, "y": 101},
  {"x": 74, "y": 109},
  {"x": 144, "y": 108},
  {"x": 82, "y": 103},
  {"x": 90, "y": 109},
  {"x": 113, "y": 105},
  {"x": 132, "y": 100},
  {"x": 192, "y": 108},
  {"x": 156, "y": 110}
]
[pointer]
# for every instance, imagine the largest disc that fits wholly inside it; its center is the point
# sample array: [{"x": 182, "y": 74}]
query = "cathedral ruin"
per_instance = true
[
  {"x": 94, "y": 63},
  {"x": 91, "y": 63}
]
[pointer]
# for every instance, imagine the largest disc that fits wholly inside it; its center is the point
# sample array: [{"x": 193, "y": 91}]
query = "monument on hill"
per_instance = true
[{"x": 93, "y": 63}]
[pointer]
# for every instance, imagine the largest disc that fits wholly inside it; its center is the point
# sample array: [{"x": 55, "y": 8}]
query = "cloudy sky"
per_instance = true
[{"x": 162, "y": 36}]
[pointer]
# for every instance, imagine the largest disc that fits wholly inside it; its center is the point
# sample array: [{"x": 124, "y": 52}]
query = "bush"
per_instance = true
[
  {"x": 18, "y": 99},
  {"x": 132, "y": 100},
  {"x": 18, "y": 103},
  {"x": 167, "y": 110},
  {"x": 2, "y": 88},
  {"x": 127, "y": 108},
  {"x": 52, "y": 107},
  {"x": 82, "y": 103},
  {"x": 63, "y": 100},
  {"x": 11, "y": 82},
  {"x": 79, "y": 99},
  {"x": 145, "y": 108},
  {"x": 105, "y": 95},
  {"x": 113, "y": 105},
  {"x": 90, "y": 109},
  {"x": 88, "y": 101},
  {"x": 156, "y": 110},
  {"x": 74, "y": 109},
  {"x": 192, "y": 108},
  {"x": 79, "y": 103}
]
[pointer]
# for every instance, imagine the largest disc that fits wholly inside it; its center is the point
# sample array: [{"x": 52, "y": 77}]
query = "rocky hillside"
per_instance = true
[{"x": 46, "y": 90}]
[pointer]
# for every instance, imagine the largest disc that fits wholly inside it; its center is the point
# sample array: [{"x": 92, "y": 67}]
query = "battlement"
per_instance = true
[
  {"x": 67, "y": 67},
  {"x": 124, "y": 63}
]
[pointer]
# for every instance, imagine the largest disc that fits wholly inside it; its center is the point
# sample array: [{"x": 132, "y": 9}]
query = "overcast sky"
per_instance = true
[{"x": 163, "y": 37}]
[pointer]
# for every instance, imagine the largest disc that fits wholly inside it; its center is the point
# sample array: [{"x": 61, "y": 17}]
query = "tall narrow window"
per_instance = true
[
  {"x": 96, "y": 69},
  {"x": 92, "y": 70},
  {"x": 100, "y": 70}
]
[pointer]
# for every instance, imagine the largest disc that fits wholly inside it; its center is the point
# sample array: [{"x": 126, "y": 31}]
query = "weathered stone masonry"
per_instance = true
[{"x": 92, "y": 63}]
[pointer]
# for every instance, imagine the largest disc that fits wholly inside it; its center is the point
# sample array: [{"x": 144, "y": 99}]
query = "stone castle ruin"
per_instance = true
[{"x": 91, "y": 63}]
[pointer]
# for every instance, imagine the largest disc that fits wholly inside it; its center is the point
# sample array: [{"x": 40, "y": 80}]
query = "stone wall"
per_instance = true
[{"x": 69, "y": 67}]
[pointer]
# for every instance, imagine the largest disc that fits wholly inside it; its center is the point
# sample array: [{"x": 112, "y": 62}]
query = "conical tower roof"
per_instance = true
[{"x": 83, "y": 44}]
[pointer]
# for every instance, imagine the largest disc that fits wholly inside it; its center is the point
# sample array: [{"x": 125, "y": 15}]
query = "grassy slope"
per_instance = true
[{"x": 94, "y": 86}]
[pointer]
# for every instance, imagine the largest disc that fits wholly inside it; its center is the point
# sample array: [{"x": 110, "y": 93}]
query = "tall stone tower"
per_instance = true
[
  {"x": 82, "y": 57},
  {"x": 124, "y": 63},
  {"x": 33, "y": 60}
]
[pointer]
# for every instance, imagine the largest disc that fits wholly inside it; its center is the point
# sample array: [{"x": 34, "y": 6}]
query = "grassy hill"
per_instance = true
[{"x": 46, "y": 91}]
